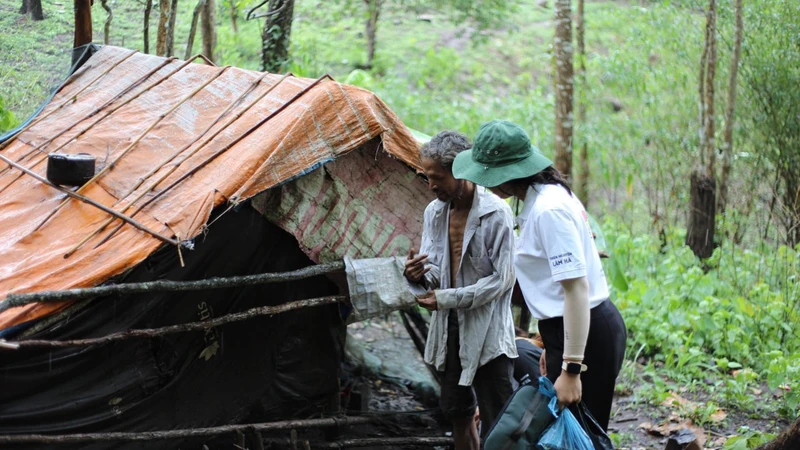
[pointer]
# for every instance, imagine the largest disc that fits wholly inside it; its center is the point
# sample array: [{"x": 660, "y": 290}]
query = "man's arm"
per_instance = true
[{"x": 419, "y": 268}]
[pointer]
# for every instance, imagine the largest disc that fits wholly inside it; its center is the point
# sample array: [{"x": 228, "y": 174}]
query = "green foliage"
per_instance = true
[
  {"x": 730, "y": 325},
  {"x": 7, "y": 118},
  {"x": 748, "y": 440}
]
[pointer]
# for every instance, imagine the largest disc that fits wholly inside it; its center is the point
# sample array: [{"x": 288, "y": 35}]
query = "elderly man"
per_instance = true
[{"x": 466, "y": 267}]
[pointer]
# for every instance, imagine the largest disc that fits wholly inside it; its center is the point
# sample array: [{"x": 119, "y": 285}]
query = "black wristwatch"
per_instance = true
[{"x": 573, "y": 367}]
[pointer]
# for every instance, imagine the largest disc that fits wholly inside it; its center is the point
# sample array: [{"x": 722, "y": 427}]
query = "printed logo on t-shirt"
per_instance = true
[{"x": 559, "y": 260}]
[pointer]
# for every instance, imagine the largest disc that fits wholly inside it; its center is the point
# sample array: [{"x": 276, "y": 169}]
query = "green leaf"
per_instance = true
[
  {"x": 616, "y": 275},
  {"x": 736, "y": 443}
]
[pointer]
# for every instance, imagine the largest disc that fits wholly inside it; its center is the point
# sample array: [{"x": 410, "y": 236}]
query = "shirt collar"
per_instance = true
[{"x": 530, "y": 199}]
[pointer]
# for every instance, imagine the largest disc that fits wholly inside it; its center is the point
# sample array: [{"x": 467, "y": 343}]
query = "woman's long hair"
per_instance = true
[{"x": 550, "y": 175}]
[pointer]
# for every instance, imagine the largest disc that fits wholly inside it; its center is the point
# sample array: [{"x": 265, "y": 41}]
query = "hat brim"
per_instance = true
[{"x": 464, "y": 167}]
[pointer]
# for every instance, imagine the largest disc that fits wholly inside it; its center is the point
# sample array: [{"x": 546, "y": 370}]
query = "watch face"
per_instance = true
[{"x": 573, "y": 368}]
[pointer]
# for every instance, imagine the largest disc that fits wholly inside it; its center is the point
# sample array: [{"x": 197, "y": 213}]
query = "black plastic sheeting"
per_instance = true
[{"x": 262, "y": 369}]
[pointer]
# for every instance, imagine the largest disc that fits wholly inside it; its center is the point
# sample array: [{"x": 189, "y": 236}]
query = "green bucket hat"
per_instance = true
[{"x": 502, "y": 152}]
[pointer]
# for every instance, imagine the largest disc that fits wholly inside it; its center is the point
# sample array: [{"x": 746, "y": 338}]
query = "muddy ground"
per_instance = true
[{"x": 636, "y": 424}]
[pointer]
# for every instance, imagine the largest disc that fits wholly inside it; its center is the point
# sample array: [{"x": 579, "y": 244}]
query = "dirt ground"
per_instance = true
[{"x": 636, "y": 424}]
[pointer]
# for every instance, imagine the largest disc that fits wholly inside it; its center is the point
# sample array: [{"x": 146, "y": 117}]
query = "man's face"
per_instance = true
[{"x": 440, "y": 180}]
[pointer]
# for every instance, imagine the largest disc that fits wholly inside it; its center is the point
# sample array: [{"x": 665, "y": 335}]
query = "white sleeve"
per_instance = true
[{"x": 561, "y": 241}]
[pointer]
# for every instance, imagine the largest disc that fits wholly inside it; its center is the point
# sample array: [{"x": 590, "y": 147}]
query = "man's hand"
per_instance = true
[
  {"x": 415, "y": 267},
  {"x": 543, "y": 364},
  {"x": 568, "y": 388},
  {"x": 428, "y": 301}
]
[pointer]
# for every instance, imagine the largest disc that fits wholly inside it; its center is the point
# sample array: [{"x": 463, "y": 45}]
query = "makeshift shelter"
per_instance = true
[{"x": 226, "y": 172}]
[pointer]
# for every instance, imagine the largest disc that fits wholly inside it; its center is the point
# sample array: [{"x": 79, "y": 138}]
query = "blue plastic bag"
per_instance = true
[{"x": 565, "y": 433}]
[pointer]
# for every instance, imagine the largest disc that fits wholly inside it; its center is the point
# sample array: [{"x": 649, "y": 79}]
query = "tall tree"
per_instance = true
[
  {"x": 208, "y": 26},
  {"x": 164, "y": 7},
  {"x": 582, "y": 189},
  {"x": 275, "y": 34},
  {"x": 109, "y": 18},
  {"x": 727, "y": 139},
  {"x": 373, "y": 12},
  {"x": 702, "y": 197},
  {"x": 564, "y": 88},
  {"x": 173, "y": 13},
  {"x": 148, "y": 7},
  {"x": 198, "y": 9}
]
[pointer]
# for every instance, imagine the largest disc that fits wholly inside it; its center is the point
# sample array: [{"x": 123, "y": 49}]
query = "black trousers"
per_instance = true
[
  {"x": 491, "y": 387},
  {"x": 604, "y": 354}
]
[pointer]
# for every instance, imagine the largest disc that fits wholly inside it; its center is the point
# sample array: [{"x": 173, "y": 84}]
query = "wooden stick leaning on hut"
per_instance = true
[
  {"x": 91, "y": 202},
  {"x": 174, "y": 434},
  {"x": 179, "y": 328},
  {"x": 70, "y": 100},
  {"x": 133, "y": 144},
  {"x": 14, "y": 300},
  {"x": 177, "y": 153},
  {"x": 216, "y": 154},
  {"x": 93, "y": 113}
]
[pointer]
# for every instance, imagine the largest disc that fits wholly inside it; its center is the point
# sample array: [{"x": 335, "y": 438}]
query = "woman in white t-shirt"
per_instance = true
[{"x": 557, "y": 265}]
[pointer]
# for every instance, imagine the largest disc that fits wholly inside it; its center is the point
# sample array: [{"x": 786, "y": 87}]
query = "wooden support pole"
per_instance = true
[
  {"x": 180, "y": 328},
  {"x": 56, "y": 439},
  {"x": 83, "y": 23},
  {"x": 169, "y": 286}
]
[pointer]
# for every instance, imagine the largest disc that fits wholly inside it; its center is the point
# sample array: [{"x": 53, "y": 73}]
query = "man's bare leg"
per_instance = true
[{"x": 465, "y": 434}]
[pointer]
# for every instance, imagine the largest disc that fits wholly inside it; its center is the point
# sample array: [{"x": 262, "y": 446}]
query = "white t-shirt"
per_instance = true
[{"x": 555, "y": 243}]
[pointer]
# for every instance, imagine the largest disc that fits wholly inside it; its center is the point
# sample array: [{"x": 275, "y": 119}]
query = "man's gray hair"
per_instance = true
[{"x": 444, "y": 147}]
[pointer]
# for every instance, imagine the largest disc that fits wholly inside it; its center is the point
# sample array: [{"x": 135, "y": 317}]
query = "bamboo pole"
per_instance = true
[
  {"x": 133, "y": 144},
  {"x": 176, "y": 154},
  {"x": 55, "y": 439},
  {"x": 89, "y": 201},
  {"x": 179, "y": 328},
  {"x": 379, "y": 442},
  {"x": 216, "y": 154},
  {"x": 14, "y": 300}
]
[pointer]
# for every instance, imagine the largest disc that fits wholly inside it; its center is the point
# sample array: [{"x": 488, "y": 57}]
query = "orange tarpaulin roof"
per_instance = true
[{"x": 150, "y": 121}]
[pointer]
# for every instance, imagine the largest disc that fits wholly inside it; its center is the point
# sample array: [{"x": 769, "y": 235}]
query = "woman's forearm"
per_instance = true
[{"x": 576, "y": 318}]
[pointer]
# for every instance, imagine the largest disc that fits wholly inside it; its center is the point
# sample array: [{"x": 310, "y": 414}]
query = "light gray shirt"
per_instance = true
[{"x": 484, "y": 283}]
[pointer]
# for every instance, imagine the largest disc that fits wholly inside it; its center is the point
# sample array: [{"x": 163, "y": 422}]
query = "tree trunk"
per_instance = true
[
  {"x": 275, "y": 35},
  {"x": 193, "y": 30},
  {"x": 727, "y": 140},
  {"x": 710, "y": 143},
  {"x": 148, "y": 7},
  {"x": 702, "y": 194},
  {"x": 564, "y": 88},
  {"x": 700, "y": 234},
  {"x": 173, "y": 13},
  {"x": 107, "y": 26},
  {"x": 234, "y": 16},
  {"x": 208, "y": 27},
  {"x": 583, "y": 185},
  {"x": 26, "y": 7},
  {"x": 35, "y": 7},
  {"x": 373, "y": 12},
  {"x": 83, "y": 23},
  {"x": 791, "y": 201},
  {"x": 788, "y": 440},
  {"x": 163, "y": 25}
]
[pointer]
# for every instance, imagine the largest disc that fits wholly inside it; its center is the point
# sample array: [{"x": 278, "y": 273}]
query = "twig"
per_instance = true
[
  {"x": 176, "y": 154},
  {"x": 8, "y": 345},
  {"x": 219, "y": 152},
  {"x": 183, "y": 327},
  {"x": 404, "y": 442},
  {"x": 168, "y": 286},
  {"x": 175, "y": 434},
  {"x": 89, "y": 201},
  {"x": 133, "y": 144}
]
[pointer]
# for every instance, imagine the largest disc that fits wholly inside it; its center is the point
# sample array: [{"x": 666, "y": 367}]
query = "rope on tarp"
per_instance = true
[
  {"x": 14, "y": 300},
  {"x": 172, "y": 329}
]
